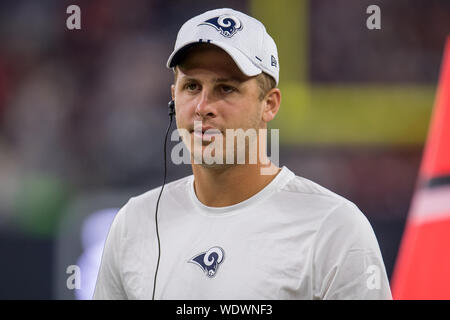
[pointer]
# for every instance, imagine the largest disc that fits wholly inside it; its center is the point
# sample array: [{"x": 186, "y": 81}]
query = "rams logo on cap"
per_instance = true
[
  {"x": 209, "y": 261},
  {"x": 227, "y": 24}
]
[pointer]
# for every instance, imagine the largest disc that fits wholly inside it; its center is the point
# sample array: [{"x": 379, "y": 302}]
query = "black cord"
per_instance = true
[{"x": 171, "y": 114}]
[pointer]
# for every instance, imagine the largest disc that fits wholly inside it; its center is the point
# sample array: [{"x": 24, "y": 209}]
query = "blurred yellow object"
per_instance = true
[{"x": 352, "y": 114}]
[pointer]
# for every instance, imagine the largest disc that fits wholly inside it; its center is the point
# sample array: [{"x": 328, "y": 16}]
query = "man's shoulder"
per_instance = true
[
  {"x": 339, "y": 219},
  {"x": 319, "y": 200},
  {"x": 178, "y": 185},
  {"x": 301, "y": 185},
  {"x": 303, "y": 189},
  {"x": 172, "y": 187}
]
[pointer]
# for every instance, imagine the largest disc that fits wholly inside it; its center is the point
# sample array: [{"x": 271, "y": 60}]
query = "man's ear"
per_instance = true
[
  {"x": 172, "y": 91},
  {"x": 272, "y": 103}
]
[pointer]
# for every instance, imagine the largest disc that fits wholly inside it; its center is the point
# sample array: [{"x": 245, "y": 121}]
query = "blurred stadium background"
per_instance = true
[{"x": 83, "y": 115}]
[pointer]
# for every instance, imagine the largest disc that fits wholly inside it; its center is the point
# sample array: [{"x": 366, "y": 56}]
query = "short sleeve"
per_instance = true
[
  {"x": 109, "y": 284},
  {"x": 347, "y": 259}
]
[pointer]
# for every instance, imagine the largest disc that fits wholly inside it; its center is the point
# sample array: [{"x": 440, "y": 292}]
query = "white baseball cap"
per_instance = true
[{"x": 244, "y": 38}]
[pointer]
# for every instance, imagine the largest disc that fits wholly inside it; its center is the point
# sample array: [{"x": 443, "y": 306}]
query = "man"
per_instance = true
[{"x": 237, "y": 230}]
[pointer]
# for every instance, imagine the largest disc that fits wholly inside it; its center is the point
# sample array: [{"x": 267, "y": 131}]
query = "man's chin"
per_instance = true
[
  {"x": 216, "y": 166},
  {"x": 210, "y": 161}
]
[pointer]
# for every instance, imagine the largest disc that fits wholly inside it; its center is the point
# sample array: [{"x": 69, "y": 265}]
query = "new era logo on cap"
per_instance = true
[
  {"x": 244, "y": 38},
  {"x": 273, "y": 61}
]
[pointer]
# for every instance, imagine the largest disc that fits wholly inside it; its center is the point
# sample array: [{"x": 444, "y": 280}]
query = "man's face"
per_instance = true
[{"x": 210, "y": 88}]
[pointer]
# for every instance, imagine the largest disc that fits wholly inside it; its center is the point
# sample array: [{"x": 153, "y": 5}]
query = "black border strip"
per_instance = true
[{"x": 438, "y": 182}]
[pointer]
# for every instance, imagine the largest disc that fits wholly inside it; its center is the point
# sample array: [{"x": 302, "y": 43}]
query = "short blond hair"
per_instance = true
[{"x": 265, "y": 83}]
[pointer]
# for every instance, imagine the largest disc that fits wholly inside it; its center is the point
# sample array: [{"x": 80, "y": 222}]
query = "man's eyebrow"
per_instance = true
[
  {"x": 231, "y": 79},
  {"x": 187, "y": 78}
]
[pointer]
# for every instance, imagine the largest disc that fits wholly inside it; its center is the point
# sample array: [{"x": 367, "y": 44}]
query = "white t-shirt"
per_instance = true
[{"x": 292, "y": 240}]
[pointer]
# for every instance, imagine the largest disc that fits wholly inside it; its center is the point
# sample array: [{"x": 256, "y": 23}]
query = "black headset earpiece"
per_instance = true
[{"x": 171, "y": 108}]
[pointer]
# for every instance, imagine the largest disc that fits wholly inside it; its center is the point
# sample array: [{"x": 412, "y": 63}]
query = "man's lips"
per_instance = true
[
  {"x": 204, "y": 128},
  {"x": 206, "y": 132}
]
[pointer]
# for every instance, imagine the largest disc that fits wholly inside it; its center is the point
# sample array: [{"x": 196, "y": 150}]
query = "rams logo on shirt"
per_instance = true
[
  {"x": 227, "y": 24},
  {"x": 209, "y": 261}
]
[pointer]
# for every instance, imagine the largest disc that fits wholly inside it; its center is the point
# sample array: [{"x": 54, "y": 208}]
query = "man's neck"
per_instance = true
[{"x": 229, "y": 185}]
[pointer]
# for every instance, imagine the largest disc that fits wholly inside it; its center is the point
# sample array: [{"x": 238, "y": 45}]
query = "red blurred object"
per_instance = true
[{"x": 422, "y": 270}]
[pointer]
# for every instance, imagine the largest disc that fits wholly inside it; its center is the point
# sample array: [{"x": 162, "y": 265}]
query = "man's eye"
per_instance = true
[
  {"x": 191, "y": 86},
  {"x": 227, "y": 89}
]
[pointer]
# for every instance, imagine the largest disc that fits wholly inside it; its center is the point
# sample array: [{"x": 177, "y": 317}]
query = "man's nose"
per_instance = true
[{"x": 205, "y": 105}]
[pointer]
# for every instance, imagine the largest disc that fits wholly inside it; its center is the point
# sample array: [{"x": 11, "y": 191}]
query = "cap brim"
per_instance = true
[{"x": 244, "y": 64}]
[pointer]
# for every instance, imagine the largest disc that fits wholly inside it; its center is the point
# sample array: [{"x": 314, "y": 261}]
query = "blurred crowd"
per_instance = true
[{"x": 86, "y": 110}]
